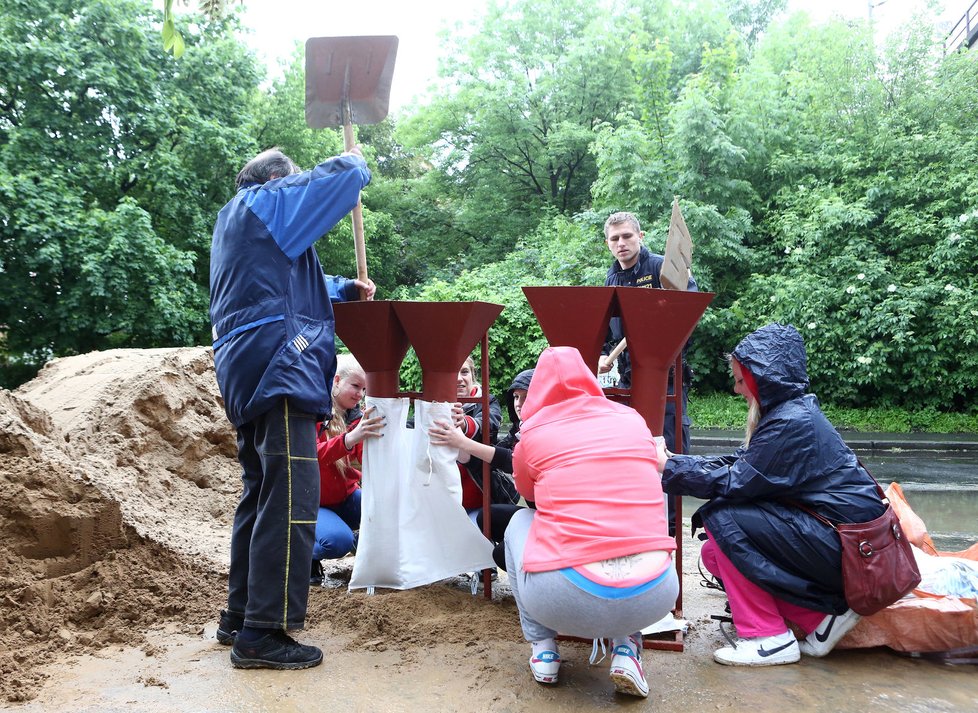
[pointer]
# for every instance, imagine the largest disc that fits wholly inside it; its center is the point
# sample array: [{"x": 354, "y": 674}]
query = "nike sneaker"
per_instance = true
[
  {"x": 545, "y": 666},
  {"x": 760, "y": 651},
  {"x": 829, "y": 633},
  {"x": 626, "y": 667}
]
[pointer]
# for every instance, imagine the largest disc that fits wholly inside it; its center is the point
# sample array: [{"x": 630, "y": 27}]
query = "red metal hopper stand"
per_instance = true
[{"x": 443, "y": 334}]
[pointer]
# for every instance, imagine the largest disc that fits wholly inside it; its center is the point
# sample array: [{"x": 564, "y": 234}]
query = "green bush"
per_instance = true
[
  {"x": 717, "y": 411},
  {"x": 730, "y": 412}
]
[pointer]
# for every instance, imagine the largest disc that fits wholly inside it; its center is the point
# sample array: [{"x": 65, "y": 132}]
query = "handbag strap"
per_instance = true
[
  {"x": 879, "y": 489},
  {"x": 811, "y": 512},
  {"x": 824, "y": 519}
]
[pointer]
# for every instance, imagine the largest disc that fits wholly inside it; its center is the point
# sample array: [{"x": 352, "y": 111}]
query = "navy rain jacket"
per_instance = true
[
  {"x": 795, "y": 454},
  {"x": 270, "y": 302}
]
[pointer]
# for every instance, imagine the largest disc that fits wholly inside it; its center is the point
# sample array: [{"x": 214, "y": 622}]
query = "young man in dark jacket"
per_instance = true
[
  {"x": 274, "y": 359},
  {"x": 636, "y": 266}
]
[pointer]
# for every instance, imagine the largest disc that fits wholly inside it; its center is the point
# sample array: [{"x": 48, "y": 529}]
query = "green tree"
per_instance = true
[
  {"x": 512, "y": 134},
  {"x": 114, "y": 160},
  {"x": 869, "y": 227}
]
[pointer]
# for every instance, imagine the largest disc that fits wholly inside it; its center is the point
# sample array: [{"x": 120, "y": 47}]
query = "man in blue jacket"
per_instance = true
[
  {"x": 274, "y": 358},
  {"x": 636, "y": 266}
]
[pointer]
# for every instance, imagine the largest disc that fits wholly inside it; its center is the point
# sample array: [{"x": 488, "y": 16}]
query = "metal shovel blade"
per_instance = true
[{"x": 357, "y": 70}]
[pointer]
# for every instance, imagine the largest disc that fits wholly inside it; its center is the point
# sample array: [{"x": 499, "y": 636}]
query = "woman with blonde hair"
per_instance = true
[
  {"x": 777, "y": 562},
  {"x": 339, "y": 445}
]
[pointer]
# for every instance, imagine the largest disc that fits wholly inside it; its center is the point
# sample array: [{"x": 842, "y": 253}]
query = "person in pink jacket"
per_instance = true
[{"x": 594, "y": 560}]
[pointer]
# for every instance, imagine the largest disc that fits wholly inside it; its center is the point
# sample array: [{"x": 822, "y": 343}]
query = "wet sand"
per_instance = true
[{"x": 409, "y": 661}]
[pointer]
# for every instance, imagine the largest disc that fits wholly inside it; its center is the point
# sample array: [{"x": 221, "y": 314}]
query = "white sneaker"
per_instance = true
[
  {"x": 544, "y": 666},
  {"x": 760, "y": 651},
  {"x": 829, "y": 633},
  {"x": 626, "y": 668}
]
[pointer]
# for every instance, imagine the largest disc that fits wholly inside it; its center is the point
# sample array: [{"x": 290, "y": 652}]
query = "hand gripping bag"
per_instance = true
[{"x": 413, "y": 529}]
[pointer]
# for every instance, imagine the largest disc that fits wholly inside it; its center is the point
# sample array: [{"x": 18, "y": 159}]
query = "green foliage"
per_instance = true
[
  {"x": 899, "y": 420},
  {"x": 114, "y": 160},
  {"x": 552, "y": 254},
  {"x": 717, "y": 411},
  {"x": 726, "y": 411},
  {"x": 512, "y": 134},
  {"x": 172, "y": 39},
  {"x": 826, "y": 181}
]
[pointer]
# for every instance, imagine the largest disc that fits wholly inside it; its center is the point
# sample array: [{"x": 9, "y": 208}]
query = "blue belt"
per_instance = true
[{"x": 218, "y": 343}]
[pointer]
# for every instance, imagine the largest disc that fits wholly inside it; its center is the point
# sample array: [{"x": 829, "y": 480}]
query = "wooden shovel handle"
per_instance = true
[
  {"x": 617, "y": 350},
  {"x": 359, "y": 244},
  {"x": 610, "y": 359}
]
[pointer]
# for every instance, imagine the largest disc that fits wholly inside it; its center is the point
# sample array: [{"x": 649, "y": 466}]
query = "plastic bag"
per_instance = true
[
  {"x": 413, "y": 529},
  {"x": 947, "y": 576}
]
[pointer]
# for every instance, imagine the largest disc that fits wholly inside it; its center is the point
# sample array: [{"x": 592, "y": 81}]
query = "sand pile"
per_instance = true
[{"x": 117, "y": 485}]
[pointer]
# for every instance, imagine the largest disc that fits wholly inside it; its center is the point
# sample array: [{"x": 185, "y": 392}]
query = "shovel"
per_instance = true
[{"x": 348, "y": 81}]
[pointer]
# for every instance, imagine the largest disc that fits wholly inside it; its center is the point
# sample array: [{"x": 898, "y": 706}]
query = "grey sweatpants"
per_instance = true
[{"x": 550, "y": 604}]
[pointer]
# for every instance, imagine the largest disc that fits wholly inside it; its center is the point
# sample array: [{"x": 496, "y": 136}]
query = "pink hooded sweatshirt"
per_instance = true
[{"x": 589, "y": 464}]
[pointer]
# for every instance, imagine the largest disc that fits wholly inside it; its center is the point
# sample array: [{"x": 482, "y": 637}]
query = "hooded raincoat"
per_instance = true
[
  {"x": 589, "y": 464},
  {"x": 795, "y": 456}
]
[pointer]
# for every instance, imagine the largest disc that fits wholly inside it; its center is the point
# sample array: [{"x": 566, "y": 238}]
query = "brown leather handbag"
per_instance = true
[{"x": 878, "y": 566}]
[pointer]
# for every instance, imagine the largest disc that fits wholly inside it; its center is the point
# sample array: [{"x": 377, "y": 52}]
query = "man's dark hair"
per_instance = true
[{"x": 264, "y": 167}]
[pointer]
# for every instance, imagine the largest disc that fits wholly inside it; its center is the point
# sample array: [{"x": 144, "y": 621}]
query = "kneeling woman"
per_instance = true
[
  {"x": 340, "y": 442},
  {"x": 777, "y": 562},
  {"x": 594, "y": 560}
]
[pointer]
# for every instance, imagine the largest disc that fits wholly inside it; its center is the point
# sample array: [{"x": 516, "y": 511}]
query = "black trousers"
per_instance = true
[{"x": 275, "y": 522}]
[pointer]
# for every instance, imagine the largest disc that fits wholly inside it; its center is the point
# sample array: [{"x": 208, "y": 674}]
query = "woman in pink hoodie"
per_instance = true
[{"x": 594, "y": 560}]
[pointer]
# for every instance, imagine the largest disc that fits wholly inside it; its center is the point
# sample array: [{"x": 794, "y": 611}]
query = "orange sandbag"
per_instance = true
[
  {"x": 969, "y": 554},
  {"x": 913, "y": 526},
  {"x": 924, "y": 622},
  {"x": 927, "y": 623}
]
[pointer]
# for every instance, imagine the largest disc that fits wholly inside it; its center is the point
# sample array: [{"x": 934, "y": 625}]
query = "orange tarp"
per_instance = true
[{"x": 925, "y": 622}]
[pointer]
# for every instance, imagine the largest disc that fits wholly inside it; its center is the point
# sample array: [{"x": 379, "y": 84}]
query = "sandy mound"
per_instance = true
[
  {"x": 151, "y": 426},
  {"x": 117, "y": 484}
]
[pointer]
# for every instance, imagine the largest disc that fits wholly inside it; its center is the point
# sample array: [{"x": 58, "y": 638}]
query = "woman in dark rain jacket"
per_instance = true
[{"x": 776, "y": 561}]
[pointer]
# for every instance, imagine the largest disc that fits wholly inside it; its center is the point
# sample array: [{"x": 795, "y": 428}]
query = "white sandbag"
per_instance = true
[{"x": 413, "y": 529}]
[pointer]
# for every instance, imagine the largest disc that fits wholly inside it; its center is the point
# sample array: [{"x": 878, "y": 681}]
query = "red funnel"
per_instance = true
[
  {"x": 657, "y": 324},
  {"x": 373, "y": 333},
  {"x": 574, "y": 317},
  {"x": 443, "y": 334}
]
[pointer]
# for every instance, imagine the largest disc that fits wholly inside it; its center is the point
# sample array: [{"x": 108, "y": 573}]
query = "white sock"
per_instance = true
[{"x": 543, "y": 645}]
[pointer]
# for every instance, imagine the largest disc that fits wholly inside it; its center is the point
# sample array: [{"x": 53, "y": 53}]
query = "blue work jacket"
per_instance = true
[{"x": 270, "y": 302}]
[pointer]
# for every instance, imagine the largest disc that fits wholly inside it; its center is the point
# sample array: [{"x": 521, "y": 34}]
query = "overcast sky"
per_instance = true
[{"x": 278, "y": 24}]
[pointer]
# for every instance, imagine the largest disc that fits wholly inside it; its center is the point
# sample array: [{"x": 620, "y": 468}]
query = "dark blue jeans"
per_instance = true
[
  {"x": 274, "y": 525},
  {"x": 335, "y": 526}
]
